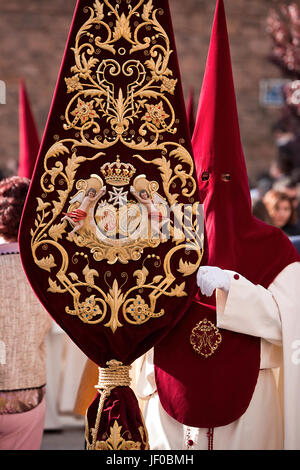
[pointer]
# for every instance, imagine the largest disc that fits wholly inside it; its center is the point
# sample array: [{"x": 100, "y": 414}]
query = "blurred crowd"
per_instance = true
[{"x": 276, "y": 193}]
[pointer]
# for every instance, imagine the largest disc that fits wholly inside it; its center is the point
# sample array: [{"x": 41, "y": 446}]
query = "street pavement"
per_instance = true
[{"x": 69, "y": 438}]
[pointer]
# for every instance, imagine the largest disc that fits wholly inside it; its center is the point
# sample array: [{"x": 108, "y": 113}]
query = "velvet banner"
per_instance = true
[{"x": 111, "y": 236}]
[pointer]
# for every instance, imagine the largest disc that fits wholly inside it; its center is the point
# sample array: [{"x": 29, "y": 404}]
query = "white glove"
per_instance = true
[{"x": 210, "y": 278}]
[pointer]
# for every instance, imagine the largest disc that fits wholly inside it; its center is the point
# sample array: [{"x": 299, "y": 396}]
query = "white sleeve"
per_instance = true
[
  {"x": 272, "y": 314},
  {"x": 287, "y": 296},
  {"x": 250, "y": 309},
  {"x": 145, "y": 384}
]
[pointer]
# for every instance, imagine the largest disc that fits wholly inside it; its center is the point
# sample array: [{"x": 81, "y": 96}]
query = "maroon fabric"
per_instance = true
[
  {"x": 81, "y": 136},
  {"x": 28, "y": 135},
  {"x": 205, "y": 392},
  {"x": 120, "y": 407},
  {"x": 217, "y": 390},
  {"x": 97, "y": 341}
]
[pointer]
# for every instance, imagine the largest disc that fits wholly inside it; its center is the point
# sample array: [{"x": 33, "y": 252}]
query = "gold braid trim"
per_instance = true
[{"x": 115, "y": 375}]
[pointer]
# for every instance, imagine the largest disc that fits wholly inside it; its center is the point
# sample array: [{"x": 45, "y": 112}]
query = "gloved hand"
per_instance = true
[{"x": 210, "y": 278}]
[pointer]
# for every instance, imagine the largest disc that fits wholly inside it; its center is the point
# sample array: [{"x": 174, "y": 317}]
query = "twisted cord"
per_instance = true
[{"x": 115, "y": 375}]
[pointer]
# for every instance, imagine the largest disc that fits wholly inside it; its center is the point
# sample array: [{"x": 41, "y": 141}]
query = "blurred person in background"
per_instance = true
[
  {"x": 23, "y": 326},
  {"x": 291, "y": 187},
  {"x": 281, "y": 211},
  {"x": 282, "y": 172},
  {"x": 286, "y": 161},
  {"x": 288, "y": 187},
  {"x": 259, "y": 211}
]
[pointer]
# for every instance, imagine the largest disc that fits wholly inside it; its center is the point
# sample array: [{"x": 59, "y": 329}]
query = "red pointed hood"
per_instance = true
[
  {"x": 234, "y": 236},
  {"x": 215, "y": 391},
  {"x": 28, "y": 135}
]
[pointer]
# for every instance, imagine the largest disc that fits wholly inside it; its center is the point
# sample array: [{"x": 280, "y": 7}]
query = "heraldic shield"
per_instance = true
[{"x": 112, "y": 231}]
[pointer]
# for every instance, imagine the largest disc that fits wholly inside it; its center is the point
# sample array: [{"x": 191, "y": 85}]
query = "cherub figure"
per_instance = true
[
  {"x": 154, "y": 214},
  {"x": 77, "y": 216}
]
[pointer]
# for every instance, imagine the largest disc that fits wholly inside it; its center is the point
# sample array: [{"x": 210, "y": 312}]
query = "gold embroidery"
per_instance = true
[
  {"x": 117, "y": 223},
  {"x": 117, "y": 173},
  {"x": 205, "y": 338},
  {"x": 117, "y": 441}
]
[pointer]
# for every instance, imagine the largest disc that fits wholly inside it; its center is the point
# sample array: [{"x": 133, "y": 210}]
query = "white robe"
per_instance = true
[{"x": 272, "y": 314}]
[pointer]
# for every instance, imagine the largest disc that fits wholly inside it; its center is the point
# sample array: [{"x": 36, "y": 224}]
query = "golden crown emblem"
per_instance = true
[{"x": 117, "y": 173}]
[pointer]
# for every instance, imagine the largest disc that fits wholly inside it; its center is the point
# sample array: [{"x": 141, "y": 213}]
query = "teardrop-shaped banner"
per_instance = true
[{"x": 112, "y": 231}]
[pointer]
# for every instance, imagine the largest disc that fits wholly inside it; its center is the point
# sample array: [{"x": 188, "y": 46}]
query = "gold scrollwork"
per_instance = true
[{"x": 100, "y": 114}]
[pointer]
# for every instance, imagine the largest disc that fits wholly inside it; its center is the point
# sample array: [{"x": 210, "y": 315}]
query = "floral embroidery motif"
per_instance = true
[
  {"x": 73, "y": 84},
  {"x": 139, "y": 310},
  {"x": 84, "y": 111},
  {"x": 86, "y": 310},
  {"x": 155, "y": 114},
  {"x": 168, "y": 85}
]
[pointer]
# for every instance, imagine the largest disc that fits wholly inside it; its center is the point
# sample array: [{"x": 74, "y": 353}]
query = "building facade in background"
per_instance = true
[{"x": 33, "y": 35}]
